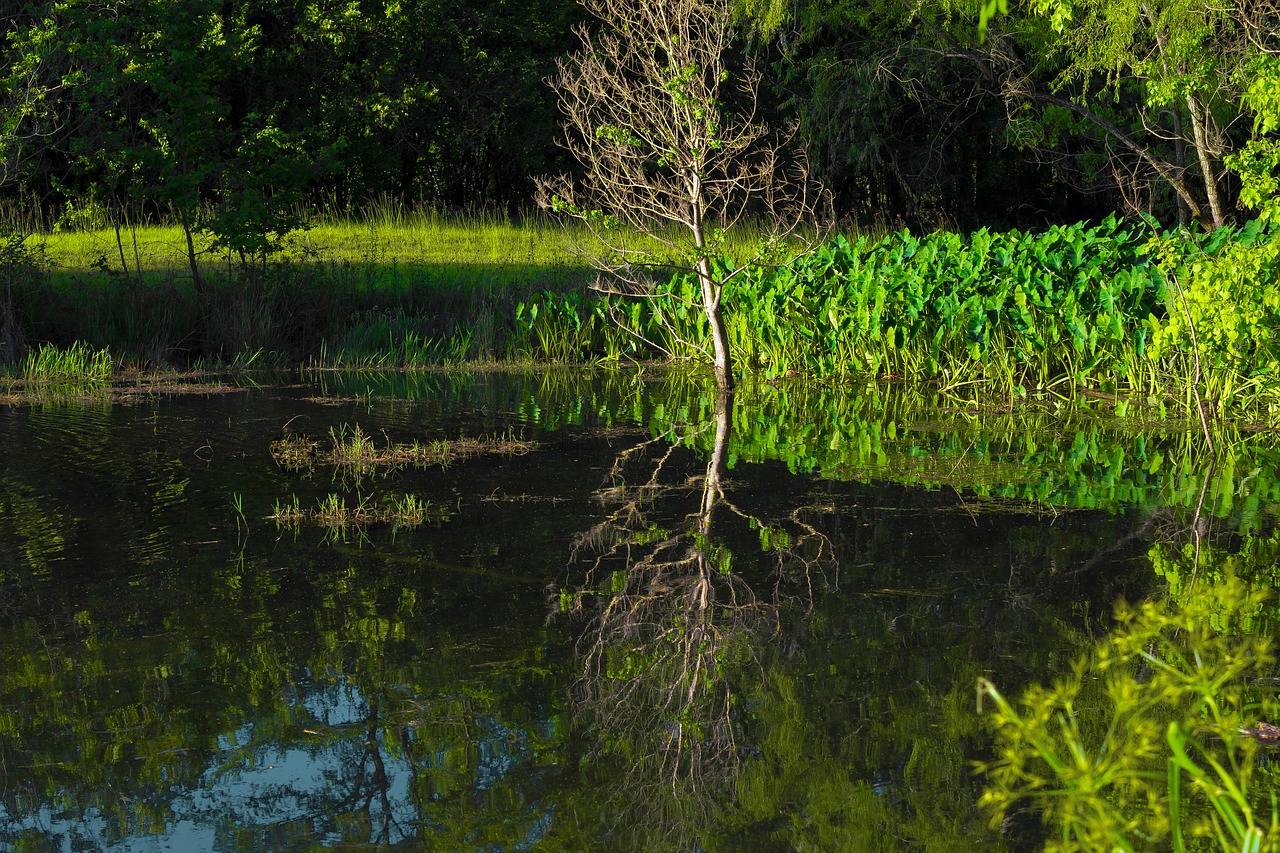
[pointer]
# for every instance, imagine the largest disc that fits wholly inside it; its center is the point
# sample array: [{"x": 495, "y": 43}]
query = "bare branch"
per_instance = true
[{"x": 671, "y": 148}]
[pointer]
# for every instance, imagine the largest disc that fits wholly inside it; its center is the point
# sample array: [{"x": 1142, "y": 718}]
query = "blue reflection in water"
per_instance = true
[{"x": 253, "y": 781}]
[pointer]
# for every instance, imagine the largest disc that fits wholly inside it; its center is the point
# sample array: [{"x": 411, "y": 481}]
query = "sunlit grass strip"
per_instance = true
[
  {"x": 334, "y": 513},
  {"x": 387, "y": 236},
  {"x": 353, "y": 451}
]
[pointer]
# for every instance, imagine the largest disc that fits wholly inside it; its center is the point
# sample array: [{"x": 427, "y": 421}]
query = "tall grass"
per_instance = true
[
  {"x": 77, "y": 363},
  {"x": 50, "y": 374}
]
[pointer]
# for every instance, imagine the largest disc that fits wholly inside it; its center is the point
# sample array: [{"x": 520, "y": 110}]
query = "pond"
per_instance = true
[{"x": 618, "y": 612}]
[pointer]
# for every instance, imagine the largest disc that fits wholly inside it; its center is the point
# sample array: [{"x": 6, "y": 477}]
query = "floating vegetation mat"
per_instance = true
[
  {"x": 333, "y": 513},
  {"x": 354, "y": 451}
]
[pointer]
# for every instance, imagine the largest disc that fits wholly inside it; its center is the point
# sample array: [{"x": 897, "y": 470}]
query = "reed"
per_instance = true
[{"x": 50, "y": 374}]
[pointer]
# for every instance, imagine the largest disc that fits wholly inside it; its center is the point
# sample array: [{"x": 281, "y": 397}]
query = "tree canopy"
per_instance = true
[{"x": 241, "y": 113}]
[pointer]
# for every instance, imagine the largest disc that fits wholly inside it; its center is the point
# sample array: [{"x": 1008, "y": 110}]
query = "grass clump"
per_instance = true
[
  {"x": 49, "y": 373},
  {"x": 77, "y": 363},
  {"x": 333, "y": 513}
]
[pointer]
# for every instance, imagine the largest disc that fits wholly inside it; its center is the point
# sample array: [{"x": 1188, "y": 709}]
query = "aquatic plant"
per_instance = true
[
  {"x": 1146, "y": 745},
  {"x": 1107, "y": 308},
  {"x": 353, "y": 449},
  {"x": 354, "y": 453},
  {"x": 336, "y": 515}
]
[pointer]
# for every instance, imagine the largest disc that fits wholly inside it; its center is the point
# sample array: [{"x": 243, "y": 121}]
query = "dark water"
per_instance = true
[{"x": 592, "y": 649}]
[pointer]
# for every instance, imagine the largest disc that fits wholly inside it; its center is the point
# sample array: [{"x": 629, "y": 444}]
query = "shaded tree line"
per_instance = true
[
  {"x": 161, "y": 107},
  {"x": 231, "y": 115}
]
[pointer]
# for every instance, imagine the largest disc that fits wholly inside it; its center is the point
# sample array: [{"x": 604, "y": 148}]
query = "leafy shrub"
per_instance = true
[{"x": 1224, "y": 304}]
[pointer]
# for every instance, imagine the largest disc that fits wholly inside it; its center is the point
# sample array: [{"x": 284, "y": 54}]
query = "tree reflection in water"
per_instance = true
[{"x": 673, "y": 629}]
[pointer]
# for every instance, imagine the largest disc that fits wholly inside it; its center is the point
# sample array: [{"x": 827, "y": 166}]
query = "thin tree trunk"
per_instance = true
[
  {"x": 1201, "y": 139},
  {"x": 185, "y": 219},
  {"x": 711, "y": 290},
  {"x": 1180, "y": 161},
  {"x": 124, "y": 265}
]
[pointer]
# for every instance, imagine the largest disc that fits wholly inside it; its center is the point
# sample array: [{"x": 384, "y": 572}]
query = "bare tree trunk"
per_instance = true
[
  {"x": 711, "y": 292},
  {"x": 1200, "y": 137},
  {"x": 124, "y": 265},
  {"x": 1180, "y": 161},
  {"x": 185, "y": 218}
]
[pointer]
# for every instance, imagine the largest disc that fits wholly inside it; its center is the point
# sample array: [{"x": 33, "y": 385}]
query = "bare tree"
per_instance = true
[{"x": 672, "y": 148}]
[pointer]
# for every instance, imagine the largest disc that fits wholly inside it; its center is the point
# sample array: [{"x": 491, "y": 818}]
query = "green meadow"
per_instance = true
[{"x": 391, "y": 238}]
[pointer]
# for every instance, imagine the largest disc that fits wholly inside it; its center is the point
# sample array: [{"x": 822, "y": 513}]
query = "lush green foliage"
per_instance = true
[
  {"x": 1068, "y": 303},
  {"x": 1224, "y": 314},
  {"x": 1114, "y": 307},
  {"x": 245, "y": 103},
  {"x": 226, "y": 113},
  {"x": 1117, "y": 307}
]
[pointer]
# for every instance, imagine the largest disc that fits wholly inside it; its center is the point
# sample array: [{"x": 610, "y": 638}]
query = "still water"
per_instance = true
[{"x": 665, "y": 621}]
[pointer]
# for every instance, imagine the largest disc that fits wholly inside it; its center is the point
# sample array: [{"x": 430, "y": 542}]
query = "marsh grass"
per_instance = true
[
  {"x": 79, "y": 363},
  {"x": 333, "y": 513},
  {"x": 354, "y": 453},
  {"x": 50, "y": 373},
  {"x": 1015, "y": 316}
]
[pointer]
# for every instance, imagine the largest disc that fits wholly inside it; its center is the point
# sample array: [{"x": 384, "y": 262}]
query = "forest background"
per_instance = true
[{"x": 243, "y": 112}]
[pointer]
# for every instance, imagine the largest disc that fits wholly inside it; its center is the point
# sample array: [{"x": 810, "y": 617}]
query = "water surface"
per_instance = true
[{"x": 670, "y": 625}]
